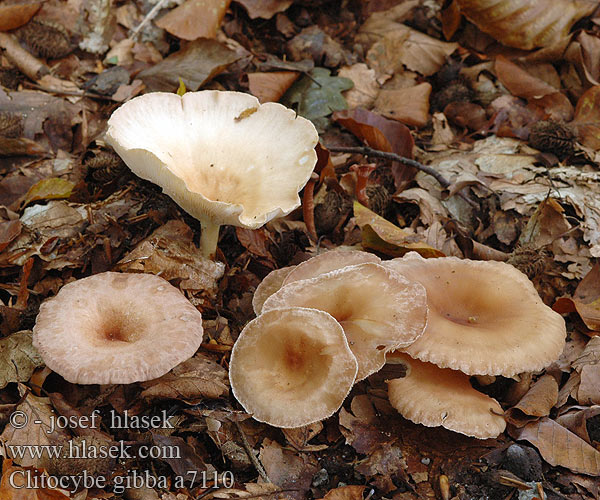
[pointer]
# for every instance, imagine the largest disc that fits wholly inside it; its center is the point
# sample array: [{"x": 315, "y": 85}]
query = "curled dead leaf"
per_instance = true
[
  {"x": 13, "y": 15},
  {"x": 538, "y": 402}
]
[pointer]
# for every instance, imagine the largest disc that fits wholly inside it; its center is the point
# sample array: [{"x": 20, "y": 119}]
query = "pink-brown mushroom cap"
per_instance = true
[
  {"x": 379, "y": 309},
  {"x": 435, "y": 396},
  {"x": 116, "y": 328},
  {"x": 485, "y": 317}
]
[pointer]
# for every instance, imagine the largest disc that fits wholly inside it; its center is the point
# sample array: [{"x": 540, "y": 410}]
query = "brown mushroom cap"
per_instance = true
[
  {"x": 435, "y": 396},
  {"x": 485, "y": 317},
  {"x": 116, "y": 328},
  {"x": 327, "y": 262},
  {"x": 292, "y": 367},
  {"x": 268, "y": 286},
  {"x": 379, "y": 309}
]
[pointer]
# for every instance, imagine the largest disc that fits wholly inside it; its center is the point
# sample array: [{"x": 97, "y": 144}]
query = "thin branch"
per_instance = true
[
  {"x": 367, "y": 151},
  {"x": 253, "y": 458}
]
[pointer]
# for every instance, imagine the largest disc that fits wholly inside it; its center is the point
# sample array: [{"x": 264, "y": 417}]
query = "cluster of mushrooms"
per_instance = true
[{"x": 339, "y": 317}]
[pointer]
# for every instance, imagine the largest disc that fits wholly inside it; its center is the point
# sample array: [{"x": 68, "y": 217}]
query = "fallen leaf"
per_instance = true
[
  {"x": 54, "y": 188},
  {"x": 18, "y": 358},
  {"x": 269, "y": 87},
  {"x": 313, "y": 43},
  {"x": 186, "y": 463},
  {"x": 193, "y": 380},
  {"x": 547, "y": 223},
  {"x": 575, "y": 419},
  {"x": 38, "y": 430},
  {"x": 587, "y": 118},
  {"x": 20, "y": 146},
  {"x": 525, "y": 24},
  {"x": 538, "y": 402},
  {"x": 256, "y": 241},
  {"x": 13, "y": 15},
  {"x": 588, "y": 367},
  {"x": 318, "y": 95},
  {"x": 265, "y": 9},
  {"x": 197, "y": 63},
  {"x": 9, "y": 230},
  {"x": 383, "y": 465},
  {"x": 14, "y": 484},
  {"x": 409, "y": 105},
  {"x": 352, "y": 492},
  {"x": 559, "y": 446},
  {"x": 195, "y": 19},
  {"x": 365, "y": 89},
  {"x": 382, "y": 236},
  {"x": 585, "y": 300}
]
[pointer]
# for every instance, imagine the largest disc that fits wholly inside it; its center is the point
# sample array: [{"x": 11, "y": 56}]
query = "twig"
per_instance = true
[
  {"x": 27, "y": 64},
  {"x": 308, "y": 206},
  {"x": 151, "y": 15},
  {"x": 257, "y": 465},
  {"x": 367, "y": 151}
]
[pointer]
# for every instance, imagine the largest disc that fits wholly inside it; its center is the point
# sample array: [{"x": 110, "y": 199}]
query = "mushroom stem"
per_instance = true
[{"x": 209, "y": 239}]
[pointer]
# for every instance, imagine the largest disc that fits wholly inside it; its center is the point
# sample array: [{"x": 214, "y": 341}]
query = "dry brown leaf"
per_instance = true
[
  {"x": 365, "y": 89},
  {"x": 265, "y": 9},
  {"x": 18, "y": 358},
  {"x": 300, "y": 436},
  {"x": 526, "y": 24},
  {"x": 196, "y": 64},
  {"x": 194, "y": 19},
  {"x": 191, "y": 381},
  {"x": 538, "y": 402},
  {"x": 13, "y": 15},
  {"x": 588, "y": 367},
  {"x": 575, "y": 419},
  {"x": 587, "y": 118},
  {"x": 409, "y": 105},
  {"x": 559, "y": 446},
  {"x": 269, "y": 87},
  {"x": 39, "y": 429},
  {"x": 14, "y": 484},
  {"x": 170, "y": 252},
  {"x": 352, "y": 492},
  {"x": 585, "y": 300}
]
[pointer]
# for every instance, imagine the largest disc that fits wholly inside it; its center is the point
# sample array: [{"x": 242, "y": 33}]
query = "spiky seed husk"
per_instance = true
[
  {"x": 11, "y": 125},
  {"x": 10, "y": 78},
  {"x": 45, "y": 39},
  {"x": 552, "y": 137},
  {"x": 105, "y": 167}
]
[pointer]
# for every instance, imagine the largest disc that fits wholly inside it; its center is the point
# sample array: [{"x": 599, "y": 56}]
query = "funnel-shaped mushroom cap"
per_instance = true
[
  {"x": 292, "y": 367},
  {"x": 485, "y": 317},
  {"x": 268, "y": 286},
  {"x": 378, "y": 309},
  {"x": 327, "y": 262},
  {"x": 435, "y": 396},
  {"x": 315, "y": 266},
  {"x": 116, "y": 328},
  {"x": 221, "y": 156}
]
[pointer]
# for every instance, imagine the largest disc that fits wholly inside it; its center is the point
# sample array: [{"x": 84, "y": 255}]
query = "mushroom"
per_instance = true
[
  {"x": 435, "y": 396},
  {"x": 485, "y": 317},
  {"x": 222, "y": 156},
  {"x": 319, "y": 264},
  {"x": 291, "y": 367},
  {"x": 379, "y": 309},
  {"x": 116, "y": 328}
]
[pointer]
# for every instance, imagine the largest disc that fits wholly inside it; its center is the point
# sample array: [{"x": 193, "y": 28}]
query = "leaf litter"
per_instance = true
[{"x": 510, "y": 118}]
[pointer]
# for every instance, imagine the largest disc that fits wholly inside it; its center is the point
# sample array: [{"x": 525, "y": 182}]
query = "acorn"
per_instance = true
[
  {"x": 552, "y": 137},
  {"x": 45, "y": 39},
  {"x": 11, "y": 125}
]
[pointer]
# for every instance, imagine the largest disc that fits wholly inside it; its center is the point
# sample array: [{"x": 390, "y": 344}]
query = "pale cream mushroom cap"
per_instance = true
[
  {"x": 485, "y": 317},
  {"x": 329, "y": 261},
  {"x": 116, "y": 328},
  {"x": 222, "y": 156},
  {"x": 268, "y": 286},
  {"x": 379, "y": 309},
  {"x": 319, "y": 264},
  {"x": 435, "y": 396},
  {"x": 292, "y": 367}
]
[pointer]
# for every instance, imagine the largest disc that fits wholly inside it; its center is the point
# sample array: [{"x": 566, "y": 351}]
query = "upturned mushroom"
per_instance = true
[
  {"x": 485, "y": 317},
  {"x": 222, "y": 156},
  {"x": 116, "y": 328},
  {"x": 378, "y": 309},
  {"x": 291, "y": 367},
  {"x": 435, "y": 396}
]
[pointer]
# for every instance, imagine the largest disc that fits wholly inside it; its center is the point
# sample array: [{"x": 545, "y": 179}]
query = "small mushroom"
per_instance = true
[
  {"x": 292, "y": 367},
  {"x": 116, "y": 328},
  {"x": 379, "y": 309},
  {"x": 485, "y": 317},
  {"x": 319, "y": 264},
  {"x": 435, "y": 396},
  {"x": 222, "y": 156}
]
